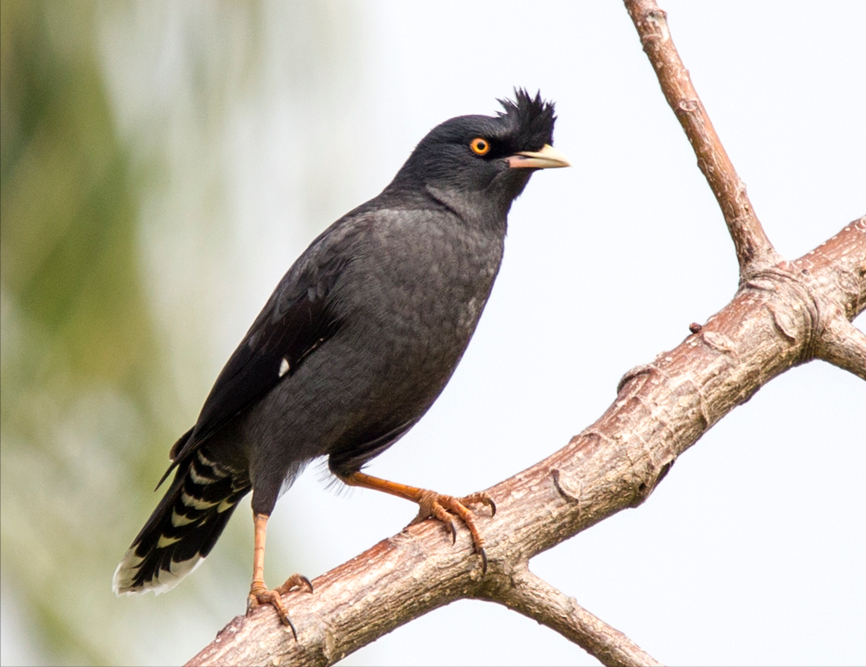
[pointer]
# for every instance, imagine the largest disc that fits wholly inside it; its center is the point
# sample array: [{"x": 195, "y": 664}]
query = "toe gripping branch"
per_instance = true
[{"x": 432, "y": 504}]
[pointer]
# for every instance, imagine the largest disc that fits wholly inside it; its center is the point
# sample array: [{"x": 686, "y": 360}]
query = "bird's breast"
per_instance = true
[{"x": 417, "y": 293}]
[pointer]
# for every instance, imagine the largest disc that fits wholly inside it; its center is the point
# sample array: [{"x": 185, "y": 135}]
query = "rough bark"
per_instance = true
[{"x": 784, "y": 313}]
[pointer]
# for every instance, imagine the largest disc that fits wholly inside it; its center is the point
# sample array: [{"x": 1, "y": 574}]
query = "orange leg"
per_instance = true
[
  {"x": 432, "y": 504},
  {"x": 259, "y": 593}
]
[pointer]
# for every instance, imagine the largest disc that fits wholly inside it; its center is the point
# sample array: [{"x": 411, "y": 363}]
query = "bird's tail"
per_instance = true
[{"x": 182, "y": 529}]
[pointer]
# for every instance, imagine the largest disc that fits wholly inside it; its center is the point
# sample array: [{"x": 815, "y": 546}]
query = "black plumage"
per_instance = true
[{"x": 355, "y": 344}]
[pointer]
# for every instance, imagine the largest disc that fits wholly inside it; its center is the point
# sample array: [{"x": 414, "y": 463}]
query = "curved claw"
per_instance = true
[
  {"x": 453, "y": 531},
  {"x": 444, "y": 508},
  {"x": 260, "y": 595}
]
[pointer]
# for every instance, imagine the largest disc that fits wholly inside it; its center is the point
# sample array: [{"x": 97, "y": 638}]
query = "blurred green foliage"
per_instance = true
[
  {"x": 78, "y": 344},
  {"x": 68, "y": 226}
]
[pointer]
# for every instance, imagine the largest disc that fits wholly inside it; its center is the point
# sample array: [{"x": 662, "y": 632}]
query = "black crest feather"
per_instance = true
[{"x": 531, "y": 116}]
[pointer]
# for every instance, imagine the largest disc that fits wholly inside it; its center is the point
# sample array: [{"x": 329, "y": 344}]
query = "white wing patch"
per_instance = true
[{"x": 284, "y": 367}]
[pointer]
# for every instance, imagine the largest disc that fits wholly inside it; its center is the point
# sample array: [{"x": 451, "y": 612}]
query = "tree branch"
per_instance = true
[
  {"x": 535, "y": 598},
  {"x": 844, "y": 345},
  {"x": 754, "y": 250}
]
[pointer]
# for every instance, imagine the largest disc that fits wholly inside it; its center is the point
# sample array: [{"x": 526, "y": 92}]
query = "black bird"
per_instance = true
[{"x": 353, "y": 347}]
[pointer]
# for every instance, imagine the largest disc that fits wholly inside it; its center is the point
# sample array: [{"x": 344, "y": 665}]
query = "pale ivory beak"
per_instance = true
[{"x": 547, "y": 158}]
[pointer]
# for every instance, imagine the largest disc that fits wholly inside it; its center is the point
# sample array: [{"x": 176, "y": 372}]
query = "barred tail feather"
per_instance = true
[{"x": 182, "y": 529}]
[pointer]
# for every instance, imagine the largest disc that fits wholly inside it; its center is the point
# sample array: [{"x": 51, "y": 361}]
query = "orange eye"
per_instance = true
[{"x": 480, "y": 146}]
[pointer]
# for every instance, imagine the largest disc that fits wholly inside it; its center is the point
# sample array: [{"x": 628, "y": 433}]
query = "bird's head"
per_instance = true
[{"x": 480, "y": 164}]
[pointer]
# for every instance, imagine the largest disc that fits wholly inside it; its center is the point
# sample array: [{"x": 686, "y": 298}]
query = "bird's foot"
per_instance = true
[
  {"x": 432, "y": 504},
  {"x": 260, "y": 594},
  {"x": 445, "y": 508}
]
